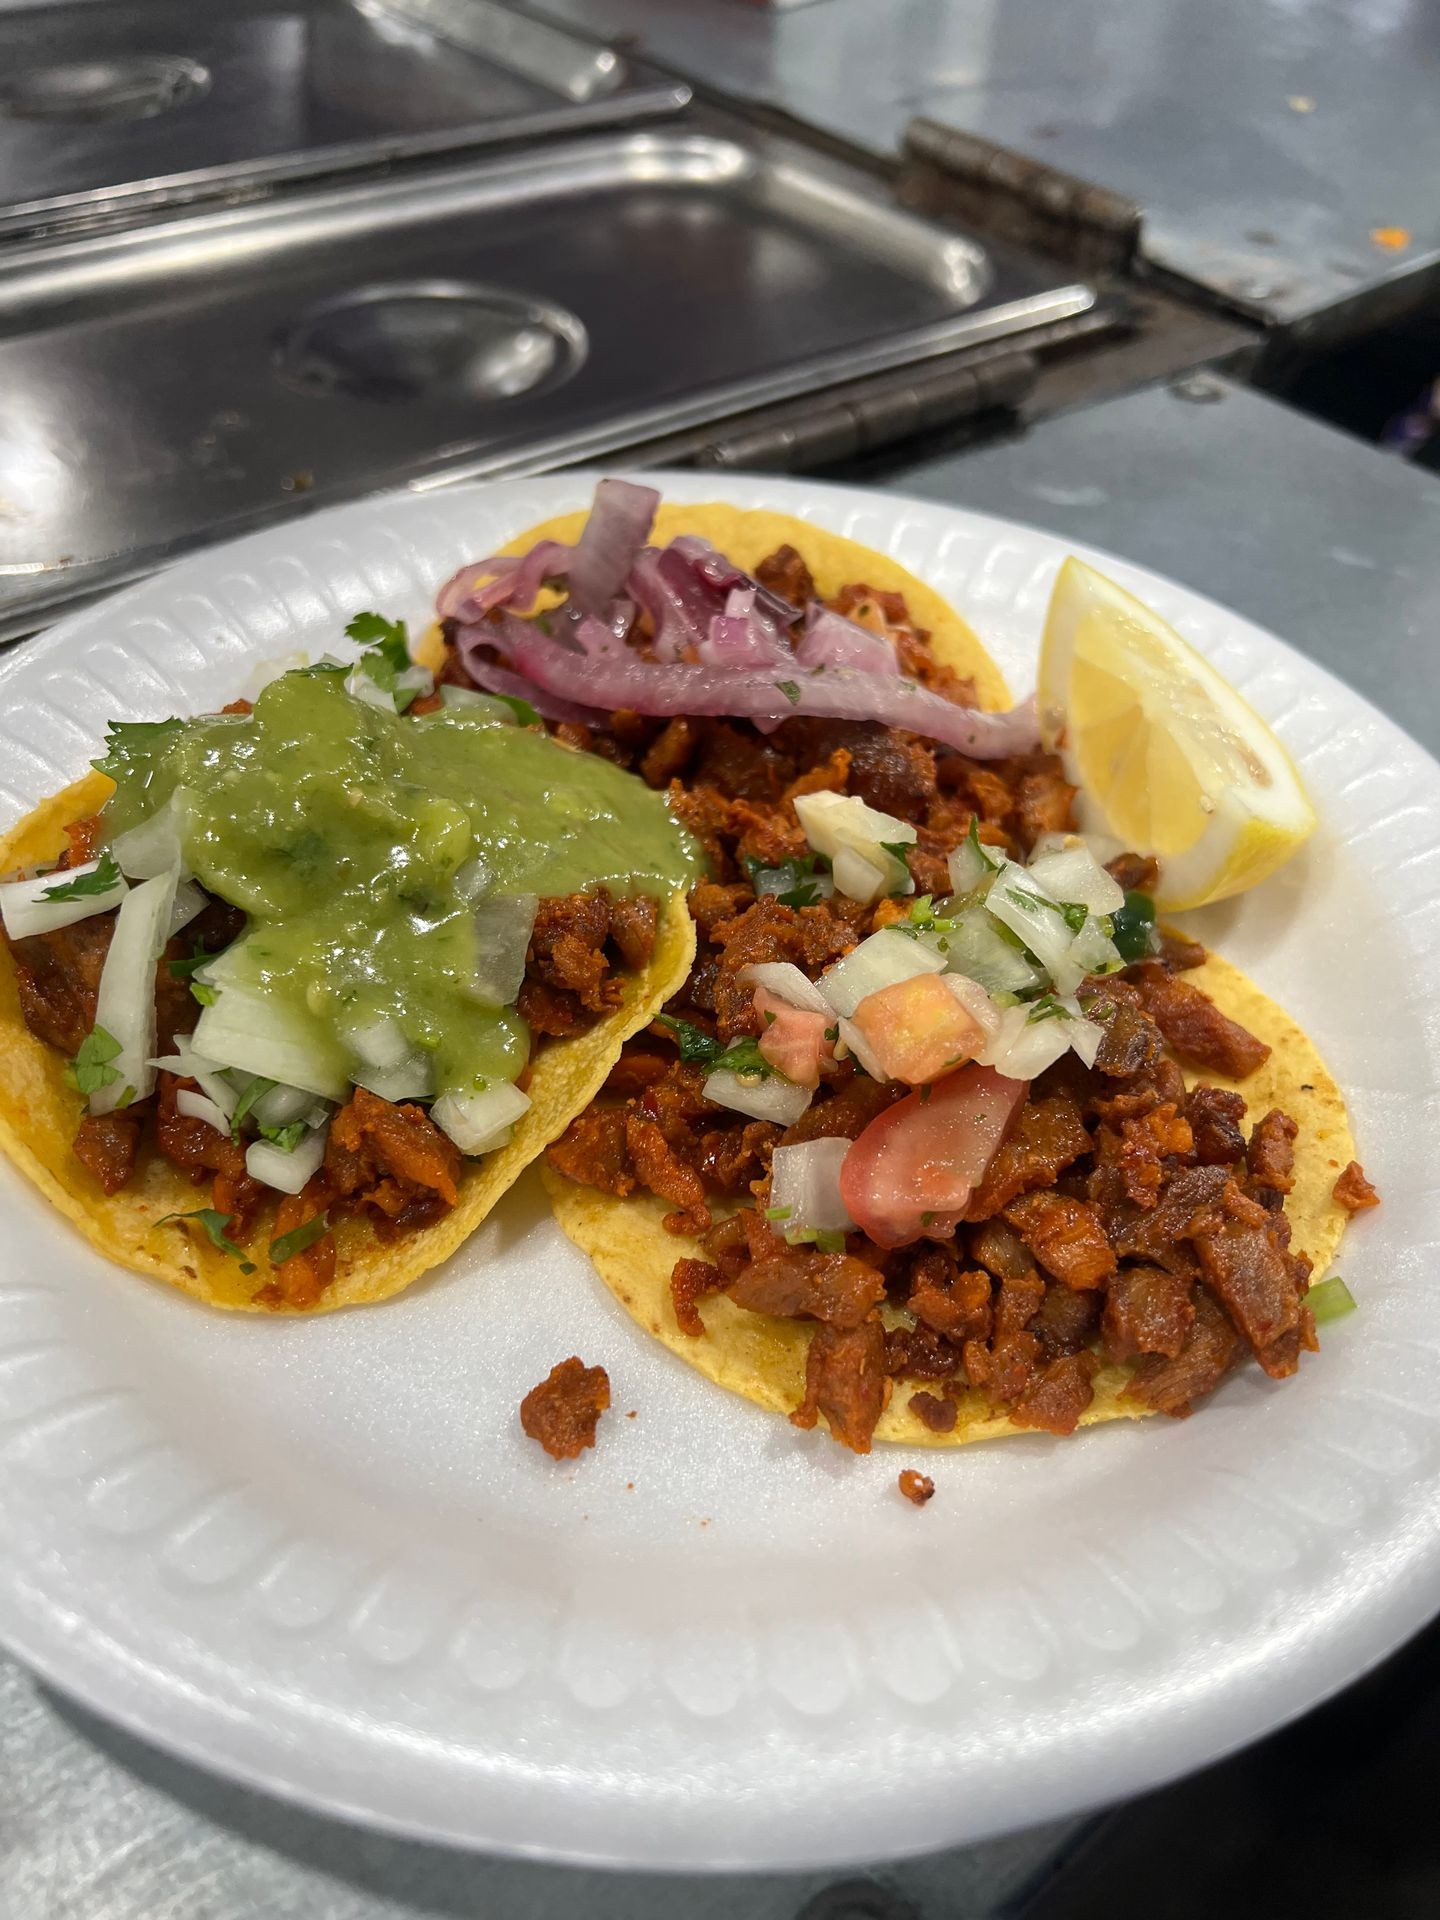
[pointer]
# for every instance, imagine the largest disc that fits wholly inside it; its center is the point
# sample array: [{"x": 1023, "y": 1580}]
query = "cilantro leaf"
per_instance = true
[
  {"x": 387, "y": 638},
  {"x": 206, "y": 996},
  {"x": 182, "y": 969},
  {"x": 91, "y": 1069},
  {"x": 285, "y": 1138},
  {"x": 790, "y": 689},
  {"x": 702, "y": 1049},
  {"x": 256, "y": 1090},
  {"x": 131, "y": 748},
  {"x": 525, "y": 714},
  {"x": 1047, "y": 1007},
  {"x": 798, "y": 881},
  {"x": 1074, "y": 914},
  {"x": 214, "y": 1225},
  {"x": 298, "y": 1239},
  {"x": 86, "y": 885}
]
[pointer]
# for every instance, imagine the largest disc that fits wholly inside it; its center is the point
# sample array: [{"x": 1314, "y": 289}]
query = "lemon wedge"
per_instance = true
[{"x": 1169, "y": 759}]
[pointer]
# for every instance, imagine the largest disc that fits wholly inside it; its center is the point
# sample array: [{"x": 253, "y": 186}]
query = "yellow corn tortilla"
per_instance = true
[
  {"x": 39, "y": 1113},
  {"x": 748, "y": 535},
  {"x": 764, "y": 1359}
]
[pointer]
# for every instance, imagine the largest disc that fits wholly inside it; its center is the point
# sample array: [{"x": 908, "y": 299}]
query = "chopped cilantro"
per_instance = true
[
  {"x": 796, "y": 882},
  {"x": 926, "y": 1218},
  {"x": 987, "y": 853},
  {"x": 206, "y": 996},
  {"x": 182, "y": 969},
  {"x": 790, "y": 690},
  {"x": 823, "y": 1239},
  {"x": 86, "y": 885},
  {"x": 298, "y": 1239},
  {"x": 525, "y": 714},
  {"x": 1074, "y": 913},
  {"x": 925, "y": 1093},
  {"x": 898, "y": 850},
  {"x": 386, "y": 656},
  {"x": 924, "y": 919},
  {"x": 1047, "y": 1007},
  {"x": 214, "y": 1225},
  {"x": 256, "y": 1090},
  {"x": 285, "y": 1138},
  {"x": 778, "y": 1213},
  {"x": 129, "y": 745},
  {"x": 743, "y": 1057},
  {"x": 91, "y": 1069}
]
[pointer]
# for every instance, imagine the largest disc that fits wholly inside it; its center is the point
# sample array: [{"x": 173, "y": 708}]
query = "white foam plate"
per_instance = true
[{"x": 321, "y": 1557}]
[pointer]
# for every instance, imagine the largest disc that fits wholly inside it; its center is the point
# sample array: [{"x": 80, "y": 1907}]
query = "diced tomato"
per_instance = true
[
  {"x": 793, "y": 1040},
  {"x": 912, "y": 1170},
  {"x": 916, "y": 1030}
]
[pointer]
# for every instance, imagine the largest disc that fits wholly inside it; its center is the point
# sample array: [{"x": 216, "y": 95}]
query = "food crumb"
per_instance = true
[
  {"x": 1392, "y": 239},
  {"x": 563, "y": 1412},
  {"x": 629, "y": 1486},
  {"x": 916, "y": 1487},
  {"x": 1354, "y": 1191},
  {"x": 631, "y": 1414}
]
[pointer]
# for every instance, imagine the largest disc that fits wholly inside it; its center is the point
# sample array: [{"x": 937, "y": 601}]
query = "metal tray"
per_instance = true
[
  {"x": 194, "y": 377},
  {"x": 109, "y": 109}
]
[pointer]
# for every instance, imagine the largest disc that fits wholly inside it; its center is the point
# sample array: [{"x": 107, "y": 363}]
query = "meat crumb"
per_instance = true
[
  {"x": 563, "y": 1412},
  {"x": 916, "y": 1487},
  {"x": 1354, "y": 1191}
]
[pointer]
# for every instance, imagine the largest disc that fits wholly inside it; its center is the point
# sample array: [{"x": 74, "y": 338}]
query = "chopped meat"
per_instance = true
[
  {"x": 743, "y": 766},
  {"x": 711, "y": 903},
  {"x": 690, "y": 1281},
  {"x": 1252, "y": 1277},
  {"x": 1354, "y": 1191},
  {"x": 302, "y": 1279},
  {"x": 845, "y": 1379},
  {"x": 1215, "y": 1114},
  {"x": 1130, "y": 1042},
  {"x": 567, "y": 949},
  {"x": 786, "y": 574},
  {"x": 592, "y": 1152},
  {"x": 658, "y": 1167},
  {"x": 1174, "y": 1385},
  {"x": 392, "y": 1159},
  {"x": 1271, "y": 1152},
  {"x": 1001, "y": 1251},
  {"x": 921, "y": 1353},
  {"x": 1178, "y": 952},
  {"x": 553, "y": 1011},
  {"x": 766, "y": 930},
  {"x": 1135, "y": 872},
  {"x": 890, "y": 771},
  {"x": 845, "y": 1114},
  {"x": 199, "y": 1151},
  {"x": 937, "y": 1412},
  {"x": 563, "y": 1412},
  {"x": 1045, "y": 801},
  {"x": 916, "y": 1487},
  {"x": 669, "y": 754},
  {"x": 1188, "y": 1197},
  {"x": 731, "y": 1160},
  {"x": 1195, "y": 1029},
  {"x": 57, "y": 976},
  {"x": 1067, "y": 1320},
  {"x": 1146, "y": 1143},
  {"x": 105, "y": 1146},
  {"x": 949, "y": 1301},
  {"x": 1005, "y": 1368},
  {"x": 635, "y": 1071},
  {"x": 633, "y": 926},
  {"x": 1055, "y": 1400},
  {"x": 84, "y": 839},
  {"x": 1018, "y": 1302},
  {"x": 1048, "y": 1135},
  {"x": 819, "y": 1286},
  {"x": 1065, "y": 1236},
  {"x": 1147, "y": 1310}
]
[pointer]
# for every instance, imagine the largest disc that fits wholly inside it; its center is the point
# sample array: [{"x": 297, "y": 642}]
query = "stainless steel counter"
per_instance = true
[
  {"x": 1265, "y": 139},
  {"x": 1328, "y": 542}
]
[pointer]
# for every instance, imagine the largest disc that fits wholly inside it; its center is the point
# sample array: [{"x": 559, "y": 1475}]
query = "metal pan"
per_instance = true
[
  {"x": 187, "y": 379},
  {"x": 108, "y": 110}
]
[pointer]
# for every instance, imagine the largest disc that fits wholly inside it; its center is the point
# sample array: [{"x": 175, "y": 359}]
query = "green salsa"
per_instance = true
[{"x": 360, "y": 841}]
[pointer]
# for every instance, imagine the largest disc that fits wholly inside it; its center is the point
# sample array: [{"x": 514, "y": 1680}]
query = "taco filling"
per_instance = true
[
  {"x": 324, "y": 971},
  {"x": 943, "y": 1137}
]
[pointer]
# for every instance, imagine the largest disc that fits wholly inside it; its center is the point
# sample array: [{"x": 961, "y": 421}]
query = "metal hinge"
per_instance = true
[{"x": 1003, "y": 195}]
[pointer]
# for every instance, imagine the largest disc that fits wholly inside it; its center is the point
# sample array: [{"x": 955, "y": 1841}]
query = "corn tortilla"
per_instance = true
[
  {"x": 764, "y": 1359},
  {"x": 39, "y": 1112}
]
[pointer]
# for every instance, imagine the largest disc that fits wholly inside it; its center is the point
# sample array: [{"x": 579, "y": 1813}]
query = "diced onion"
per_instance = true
[
  {"x": 1018, "y": 903},
  {"x": 286, "y": 1172},
  {"x": 388, "y": 1064},
  {"x": 209, "y": 1076},
  {"x": 452, "y": 696},
  {"x": 503, "y": 925},
  {"x": 787, "y": 983},
  {"x": 283, "y": 1106},
  {"x": 417, "y": 679},
  {"x": 867, "y": 877},
  {"x": 196, "y": 1106},
  {"x": 969, "y": 864},
  {"x": 190, "y": 903},
  {"x": 259, "y": 1034},
  {"x": 1022, "y": 1048},
  {"x": 854, "y": 1041},
  {"x": 479, "y": 1122},
  {"x": 1072, "y": 873},
  {"x": 882, "y": 960},
  {"x": 805, "y": 1188},
  {"x": 361, "y": 687},
  {"x": 762, "y": 1097},
  {"x": 979, "y": 950},
  {"x": 154, "y": 846},
  {"x": 1092, "y": 951},
  {"x": 1085, "y": 1037},
  {"x": 267, "y": 670},
  {"x": 27, "y": 912},
  {"x": 125, "y": 1004},
  {"x": 975, "y": 1000},
  {"x": 855, "y": 838}
]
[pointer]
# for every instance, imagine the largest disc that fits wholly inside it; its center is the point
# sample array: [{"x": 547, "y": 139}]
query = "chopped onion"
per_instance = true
[
  {"x": 830, "y": 640},
  {"x": 272, "y": 669},
  {"x": 975, "y": 1000},
  {"x": 209, "y": 1075},
  {"x": 286, "y": 1172},
  {"x": 1084, "y": 1037},
  {"x": 260, "y": 1035},
  {"x": 971, "y": 862},
  {"x": 472, "y": 699},
  {"x": 417, "y": 678},
  {"x": 283, "y": 1106},
  {"x": 154, "y": 846},
  {"x": 878, "y": 962},
  {"x": 190, "y": 903},
  {"x": 1073, "y": 874},
  {"x": 125, "y": 1004},
  {"x": 27, "y": 912},
  {"x": 503, "y": 925},
  {"x": 835, "y": 820},
  {"x": 863, "y": 877},
  {"x": 854, "y": 1041},
  {"x": 979, "y": 950},
  {"x": 1022, "y": 1048},
  {"x": 805, "y": 1188},
  {"x": 1017, "y": 902},
  {"x": 467, "y": 596},
  {"x": 787, "y": 983},
  {"x": 476, "y": 646},
  {"x": 1092, "y": 951},
  {"x": 360, "y": 686},
  {"x": 388, "y": 1064},
  {"x": 197, "y": 1106},
  {"x": 763, "y": 1097},
  {"x": 479, "y": 1122},
  {"x": 617, "y": 527},
  {"x": 744, "y": 636}
]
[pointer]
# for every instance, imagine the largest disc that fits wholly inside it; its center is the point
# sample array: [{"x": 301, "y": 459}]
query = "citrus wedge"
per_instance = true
[{"x": 1169, "y": 759}]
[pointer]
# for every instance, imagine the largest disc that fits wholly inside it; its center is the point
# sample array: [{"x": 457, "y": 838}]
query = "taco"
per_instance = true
[
  {"x": 943, "y": 1138},
  {"x": 290, "y": 995}
]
